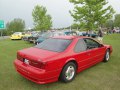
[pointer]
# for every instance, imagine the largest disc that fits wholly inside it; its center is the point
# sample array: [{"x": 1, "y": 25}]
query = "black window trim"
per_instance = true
[{"x": 92, "y": 40}]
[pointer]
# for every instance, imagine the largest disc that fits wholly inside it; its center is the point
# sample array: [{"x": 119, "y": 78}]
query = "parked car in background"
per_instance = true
[
  {"x": 16, "y": 35},
  {"x": 47, "y": 35},
  {"x": 60, "y": 58},
  {"x": 71, "y": 33},
  {"x": 25, "y": 37},
  {"x": 93, "y": 34},
  {"x": 34, "y": 37},
  {"x": 80, "y": 33}
]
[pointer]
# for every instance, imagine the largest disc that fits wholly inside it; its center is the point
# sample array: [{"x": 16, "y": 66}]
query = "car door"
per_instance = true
[
  {"x": 96, "y": 51},
  {"x": 82, "y": 55}
]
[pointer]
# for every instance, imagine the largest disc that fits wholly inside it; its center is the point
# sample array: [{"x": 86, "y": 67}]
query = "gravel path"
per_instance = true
[{"x": 4, "y": 37}]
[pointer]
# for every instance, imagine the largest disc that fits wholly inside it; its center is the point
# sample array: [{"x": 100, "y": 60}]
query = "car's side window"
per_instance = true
[
  {"x": 80, "y": 46},
  {"x": 91, "y": 43}
]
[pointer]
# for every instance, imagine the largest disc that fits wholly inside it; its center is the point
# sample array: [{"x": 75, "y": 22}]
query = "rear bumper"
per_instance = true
[
  {"x": 36, "y": 75},
  {"x": 15, "y": 37}
]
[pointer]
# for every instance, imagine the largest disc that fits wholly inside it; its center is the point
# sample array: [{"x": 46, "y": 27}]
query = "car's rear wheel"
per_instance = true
[
  {"x": 68, "y": 73},
  {"x": 107, "y": 56}
]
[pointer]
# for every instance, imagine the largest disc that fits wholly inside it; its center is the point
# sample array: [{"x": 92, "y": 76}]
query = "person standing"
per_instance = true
[{"x": 100, "y": 35}]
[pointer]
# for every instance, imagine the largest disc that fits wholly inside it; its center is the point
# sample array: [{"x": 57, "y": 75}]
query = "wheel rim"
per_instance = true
[
  {"x": 107, "y": 56},
  {"x": 70, "y": 72}
]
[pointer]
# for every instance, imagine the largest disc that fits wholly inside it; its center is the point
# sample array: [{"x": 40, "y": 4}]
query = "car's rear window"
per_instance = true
[
  {"x": 53, "y": 44},
  {"x": 16, "y": 33}
]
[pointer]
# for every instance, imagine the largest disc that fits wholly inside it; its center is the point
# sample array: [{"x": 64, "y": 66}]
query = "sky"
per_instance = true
[{"x": 58, "y": 9}]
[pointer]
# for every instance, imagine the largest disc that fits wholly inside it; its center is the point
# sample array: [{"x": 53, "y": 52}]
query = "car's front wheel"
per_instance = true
[
  {"x": 107, "y": 56},
  {"x": 68, "y": 73}
]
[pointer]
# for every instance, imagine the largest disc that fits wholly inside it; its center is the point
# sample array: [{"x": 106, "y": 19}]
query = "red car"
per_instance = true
[{"x": 60, "y": 58}]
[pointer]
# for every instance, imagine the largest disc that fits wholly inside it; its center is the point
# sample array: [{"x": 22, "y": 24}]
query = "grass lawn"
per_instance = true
[{"x": 103, "y": 76}]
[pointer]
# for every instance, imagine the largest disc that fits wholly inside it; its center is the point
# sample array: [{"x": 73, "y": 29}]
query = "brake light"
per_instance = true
[{"x": 38, "y": 64}]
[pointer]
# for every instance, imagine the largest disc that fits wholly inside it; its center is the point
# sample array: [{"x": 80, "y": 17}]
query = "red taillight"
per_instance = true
[
  {"x": 38, "y": 64},
  {"x": 19, "y": 58}
]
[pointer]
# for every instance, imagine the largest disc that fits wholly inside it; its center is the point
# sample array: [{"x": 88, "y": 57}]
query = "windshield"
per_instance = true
[
  {"x": 34, "y": 34},
  {"x": 16, "y": 33},
  {"x": 56, "y": 45}
]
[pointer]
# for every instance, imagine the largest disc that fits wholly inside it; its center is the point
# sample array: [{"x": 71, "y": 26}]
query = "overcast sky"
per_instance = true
[{"x": 58, "y": 9}]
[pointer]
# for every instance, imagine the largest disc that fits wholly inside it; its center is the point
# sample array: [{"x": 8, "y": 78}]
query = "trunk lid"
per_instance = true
[{"x": 36, "y": 54}]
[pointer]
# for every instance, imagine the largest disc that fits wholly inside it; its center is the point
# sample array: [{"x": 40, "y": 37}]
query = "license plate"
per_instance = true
[{"x": 26, "y": 61}]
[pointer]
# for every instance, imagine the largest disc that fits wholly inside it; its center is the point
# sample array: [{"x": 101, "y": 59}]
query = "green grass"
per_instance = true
[{"x": 103, "y": 76}]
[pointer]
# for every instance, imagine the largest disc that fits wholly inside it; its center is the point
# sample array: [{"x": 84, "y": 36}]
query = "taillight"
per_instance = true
[
  {"x": 38, "y": 64},
  {"x": 19, "y": 58}
]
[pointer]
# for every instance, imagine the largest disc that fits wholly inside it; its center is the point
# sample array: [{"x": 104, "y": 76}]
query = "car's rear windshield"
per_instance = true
[
  {"x": 16, "y": 33},
  {"x": 55, "y": 45}
]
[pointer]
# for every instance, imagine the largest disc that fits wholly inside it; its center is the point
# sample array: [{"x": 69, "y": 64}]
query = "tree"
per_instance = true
[
  {"x": 91, "y": 13},
  {"x": 110, "y": 24},
  {"x": 42, "y": 20},
  {"x": 75, "y": 26},
  {"x": 16, "y": 25},
  {"x": 117, "y": 20}
]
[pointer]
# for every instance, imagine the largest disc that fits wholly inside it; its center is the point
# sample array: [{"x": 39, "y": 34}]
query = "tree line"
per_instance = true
[
  {"x": 87, "y": 14},
  {"x": 109, "y": 24}
]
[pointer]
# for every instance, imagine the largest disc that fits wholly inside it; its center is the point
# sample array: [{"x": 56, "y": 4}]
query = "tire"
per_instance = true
[
  {"x": 107, "y": 56},
  {"x": 68, "y": 73}
]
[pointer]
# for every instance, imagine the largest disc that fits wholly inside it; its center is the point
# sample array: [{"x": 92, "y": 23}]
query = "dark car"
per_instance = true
[
  {"x": 34, "y": 37},
  {"x": 93, "y": 35},
  {"x": 25, "y": 37},
  {"x": 72, "y": 33}
]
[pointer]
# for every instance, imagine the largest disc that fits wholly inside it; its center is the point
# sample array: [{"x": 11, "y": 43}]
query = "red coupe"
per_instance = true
[{"x": 60, "y": 58}]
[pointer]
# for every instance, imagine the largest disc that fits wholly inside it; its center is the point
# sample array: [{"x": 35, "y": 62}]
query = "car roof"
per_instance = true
[{"x": 69, "y": 37}]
